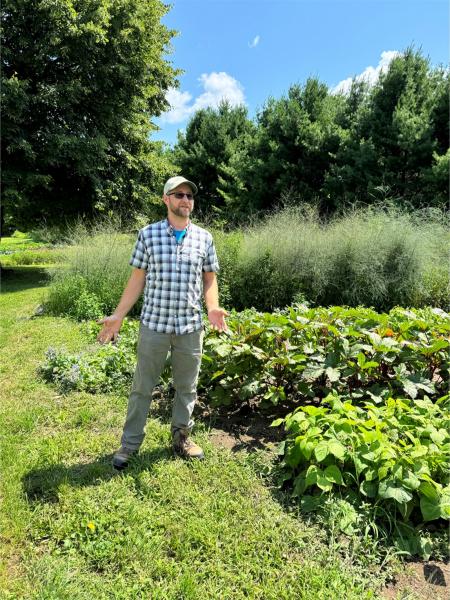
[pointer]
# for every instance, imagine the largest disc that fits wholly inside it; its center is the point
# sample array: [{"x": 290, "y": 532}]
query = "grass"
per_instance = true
[
  {"x": 23, "y": 250},
  {"x": 377, "y": 257},
  {"x": 97, "y": 267},
  {"x": 72, "y": 527}
]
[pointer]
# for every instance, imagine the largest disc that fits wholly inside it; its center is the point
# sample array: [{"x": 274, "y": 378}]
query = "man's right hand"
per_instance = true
[{"x": 110, "y": 329}]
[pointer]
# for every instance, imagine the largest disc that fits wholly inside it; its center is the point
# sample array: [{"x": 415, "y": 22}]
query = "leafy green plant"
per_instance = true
[
  {"x": 100, "y": 369},
  {"x": 303, "y": 353},
  {"x": 394, "y": 455}
]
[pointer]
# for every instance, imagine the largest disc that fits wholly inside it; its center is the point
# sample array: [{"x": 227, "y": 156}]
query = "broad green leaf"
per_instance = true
[
  {"x": 332, "y": 473},
  {"x": 313, "y": 411},
  {"x": 307, "y": 447},
  {"x": 293, "y": 455},
  {"x": 383, "y": 471},
  {"x": 445, "y": 503},
  {"x": 369, "y": 488},
  {"x": 438, "y": 345},
  {"x": 390, "y": 488},
  {"x": 371, "y": 364},
  {"x": 324, "y": 484},
  {"x": 410, "y": 480},
  {"x": 277, "y": 422},
  {"x": 429, "y": 491},
  {"x": 337, "y": 449},
  {"x": 223, "y": 350},
  {"x": 310, "y": 503},
  {"x": 431, "y": 509},
  {"x": 299, "y": 486},
  {"x": 313, "y": 432},
  {"x": 280, "y": 449},
  {"x": 371, "y": 474},
  {"x": 217, "y": 374},
  {"x": 321, "y": 451},
  {"x": 410, "y": 388},
  {"x": 419, "y": 451},
  {"x": 312, "y": 474},
  {"x": 438, "y": 436},
  {"x": 333, "y": 374},
  {"x": 312, "y": 373}
]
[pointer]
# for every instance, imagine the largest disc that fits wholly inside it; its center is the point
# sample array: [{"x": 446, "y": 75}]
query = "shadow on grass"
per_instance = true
[
  {"x": 42, "y": 485},
  {"x": 18, "y": 279}
]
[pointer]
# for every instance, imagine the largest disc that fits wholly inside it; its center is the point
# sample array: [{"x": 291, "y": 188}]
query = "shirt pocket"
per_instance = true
[{"x": 192, "y": 259}]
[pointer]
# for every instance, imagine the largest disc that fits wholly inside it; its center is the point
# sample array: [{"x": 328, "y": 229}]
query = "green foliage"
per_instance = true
[
  {"x": 302, "y": 353},
  {"x": 81, "y": 81},
  {"x": 228, "y": 247},
  {"x": 101, "y": 369},
  {"x": 395, "y": 455},
  {"x": 290, "y": 150},
  {"x": 394, "y": 136},
  {"x": 18, "y": 242},
  {"x": 313, "y": 146},
  {"x": 368, "y": 413},
  {"x": 212, "y": 138},
  {"x": 36, "y": 257},
  {"x": 166, "y": 529},
  {"x": 378, "y": 257},
  {"x": 95, "y": 274}
]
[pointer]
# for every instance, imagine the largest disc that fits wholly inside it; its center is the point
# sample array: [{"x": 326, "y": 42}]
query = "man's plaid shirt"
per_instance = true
[{"x": 174, "y": 282}]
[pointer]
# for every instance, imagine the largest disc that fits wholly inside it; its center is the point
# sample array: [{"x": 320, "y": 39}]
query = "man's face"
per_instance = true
[{"x": 181, "y": 207}]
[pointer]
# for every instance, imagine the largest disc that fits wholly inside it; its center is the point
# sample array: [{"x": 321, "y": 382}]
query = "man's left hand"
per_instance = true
[{"x": 216, "y": 317}]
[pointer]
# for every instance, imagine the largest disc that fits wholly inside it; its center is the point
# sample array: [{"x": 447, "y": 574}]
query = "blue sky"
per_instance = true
[{"x": 248, "y": 50}]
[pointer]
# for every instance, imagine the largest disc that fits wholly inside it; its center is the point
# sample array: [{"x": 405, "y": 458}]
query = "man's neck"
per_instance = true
[{"x": 178, "y": 223}]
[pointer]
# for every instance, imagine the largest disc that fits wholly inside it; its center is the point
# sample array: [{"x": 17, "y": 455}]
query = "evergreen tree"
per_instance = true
[
  {"x": 290, "y": 152},
  {"x": 202, "y": 153}
]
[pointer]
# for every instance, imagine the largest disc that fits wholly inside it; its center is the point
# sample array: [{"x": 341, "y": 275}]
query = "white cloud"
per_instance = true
[
  {"x": 255, "y": 42},
  {"x": 217, "y": 87},
  {"x": 179, "y": 106},
  {"x": 370, "y": 74}
]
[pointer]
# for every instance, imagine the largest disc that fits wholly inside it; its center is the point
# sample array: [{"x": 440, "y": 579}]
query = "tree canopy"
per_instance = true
[
  {"x": 311, "y": 145},
  {"x": 81, "y": 81}
]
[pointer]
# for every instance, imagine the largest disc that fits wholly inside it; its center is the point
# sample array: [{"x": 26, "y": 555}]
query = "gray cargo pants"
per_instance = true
[{"x": 153, "y": 348}]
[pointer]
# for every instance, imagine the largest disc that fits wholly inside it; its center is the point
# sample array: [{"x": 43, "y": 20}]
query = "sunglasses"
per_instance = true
[{"x": 180, "y": 195}]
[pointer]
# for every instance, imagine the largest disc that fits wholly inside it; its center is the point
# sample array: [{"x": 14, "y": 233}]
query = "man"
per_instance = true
[{"x": 172, "y": 259}]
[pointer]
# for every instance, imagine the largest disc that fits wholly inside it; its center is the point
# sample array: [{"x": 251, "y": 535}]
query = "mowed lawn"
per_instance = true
[{"x": 72, "y": 527}]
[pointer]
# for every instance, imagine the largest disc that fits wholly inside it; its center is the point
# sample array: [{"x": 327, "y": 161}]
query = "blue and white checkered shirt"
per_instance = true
[{"x": 174, "y": 282}]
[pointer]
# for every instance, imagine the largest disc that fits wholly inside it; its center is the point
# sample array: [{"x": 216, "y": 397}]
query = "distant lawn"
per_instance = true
[
  {"x": 74, "y": 528},
  {"x": 24, "y": 250}
]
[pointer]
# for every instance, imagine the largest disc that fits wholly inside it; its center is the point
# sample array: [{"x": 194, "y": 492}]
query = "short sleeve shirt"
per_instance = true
[{"x": 174, "y": 282}]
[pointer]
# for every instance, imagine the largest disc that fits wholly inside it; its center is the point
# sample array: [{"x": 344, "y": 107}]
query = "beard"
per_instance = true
[{"x": 180, "y": 211}]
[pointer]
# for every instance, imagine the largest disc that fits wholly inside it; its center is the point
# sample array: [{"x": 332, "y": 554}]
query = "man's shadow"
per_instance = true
[{"x": 42, "y": 485}]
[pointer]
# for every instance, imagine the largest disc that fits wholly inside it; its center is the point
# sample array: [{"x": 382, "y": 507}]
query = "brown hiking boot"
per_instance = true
[
  {"x": 185, "y": 447},
  {"x": 122, "y": 457}
]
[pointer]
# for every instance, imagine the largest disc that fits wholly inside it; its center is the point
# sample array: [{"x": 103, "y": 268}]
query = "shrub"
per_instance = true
[{"x": 100, "y": 369}]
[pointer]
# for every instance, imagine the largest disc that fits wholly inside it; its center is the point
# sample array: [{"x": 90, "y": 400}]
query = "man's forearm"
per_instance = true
[
  {"x": 211, "y": 292},
  {"x": 131, "y": 293}
]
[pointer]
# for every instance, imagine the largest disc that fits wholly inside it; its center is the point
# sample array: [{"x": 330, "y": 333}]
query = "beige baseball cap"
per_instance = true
[{"x": 174, "y": 182}]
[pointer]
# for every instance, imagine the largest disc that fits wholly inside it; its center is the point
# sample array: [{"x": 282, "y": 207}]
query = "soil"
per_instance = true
[
  {"x": 248, "y": 432},
  {"x": 426, "y": 580}
]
